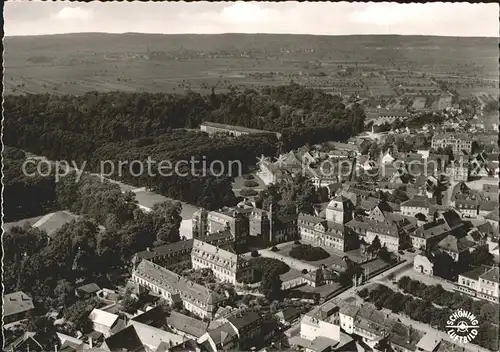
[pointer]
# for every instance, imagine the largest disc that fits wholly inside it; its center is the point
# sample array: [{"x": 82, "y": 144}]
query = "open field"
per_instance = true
[{"x": 77, "y": 63}]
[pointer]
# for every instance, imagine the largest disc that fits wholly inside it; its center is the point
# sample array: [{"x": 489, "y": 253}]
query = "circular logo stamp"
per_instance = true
[{"x": 462, "y": 326}]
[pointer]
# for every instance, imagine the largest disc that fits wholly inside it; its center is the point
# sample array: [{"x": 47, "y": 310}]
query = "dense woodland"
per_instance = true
[{"x": 134, "y": 126}]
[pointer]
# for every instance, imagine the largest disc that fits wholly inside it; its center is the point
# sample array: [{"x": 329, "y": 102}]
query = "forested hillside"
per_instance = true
[{"x": 121, "y": 126}]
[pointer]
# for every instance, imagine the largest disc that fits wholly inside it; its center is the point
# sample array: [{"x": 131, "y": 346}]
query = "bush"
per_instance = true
[
  {"x": 268, "y": 266},
  {"x": 248, "y": 177},
  {"x": 308, "y": 252},
  {"x": 304, "y": 271},
  {"x": 247, "y": 192},
  {"x": 250, "y": 183},
  {"x": 363, "y": 293},
  {"x": 255, "y": 254},
  {"x": 274, "y": 249}
]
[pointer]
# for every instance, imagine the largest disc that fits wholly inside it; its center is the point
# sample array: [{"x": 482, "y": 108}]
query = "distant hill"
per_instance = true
[
  {"x": 102, "y": 42},
  {"x": 75, "y": 63}
]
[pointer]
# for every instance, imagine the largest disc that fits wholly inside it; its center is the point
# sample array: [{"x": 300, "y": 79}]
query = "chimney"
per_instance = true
[{"x": 91, "y": 342}]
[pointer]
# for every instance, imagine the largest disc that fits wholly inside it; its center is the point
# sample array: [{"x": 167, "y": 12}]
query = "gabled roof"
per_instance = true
[
  {"x": 174, "y": 283},
  {"x": 186, "y": 324},
  {"x": 32, "y": 336},
  {"x": 52, "y": 222},
  {"x": 428, "y": 342},
  {"x": 432, "y": 229},
  {"x": 89, "y": 288},
  {"x": 420, "y": 202},
  {"x": 289, "y": 313},
  {"x": 475, "y": 273},
  {"x": 125, "y": 340},
  {"x": 488, "y": 205},
  {"x": 243, "y": 320},
  {"x": 493, "y": 215},
  {"x": 167, "y": 249},
  {"x": 451, "y": 243},
  {"x": 154, "y": 317},
  {"x": 452, "y": 218},
  {"x": 16, "y": 302},
  {"x": 98, "y": 316},
  {"x": 223, "y": 334},
  {"x": 491, "y": 275},
  {"x": 405, "y": 336}
]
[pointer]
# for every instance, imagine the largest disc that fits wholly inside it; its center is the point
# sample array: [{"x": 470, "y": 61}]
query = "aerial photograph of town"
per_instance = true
[{"x": 250, "y": 176}]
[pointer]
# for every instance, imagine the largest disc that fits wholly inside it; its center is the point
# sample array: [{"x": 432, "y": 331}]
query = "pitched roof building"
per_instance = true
[
  {"x": 15, "y": 306},
  {"x": 176, "y": 289}
]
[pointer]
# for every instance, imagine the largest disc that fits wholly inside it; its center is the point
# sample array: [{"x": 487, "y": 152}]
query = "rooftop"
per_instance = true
[
  {"x": 98, "y": 316},
  {"x": 89, "y": 288},
  {"x": 449, "y": 135},
  {"x": 154, "y": 317},
  {"x": 475, "y": 273},
  {"x": 493, "y": 215},
  {"x": 167, "y": 249},
  {"x": 240, "y": 321},
  {"x": 16, "y": 302},
  {"x": 491, "y": 275},
  {"x": 421, "y": 202},
  {"x": 174, "y": 283},
  {"x": 429, "y": 342},
  {"x": 453, "y": 244},
  {"x": 216, "y": 255},
  {"x": 52, "y": 222},
  {"x": 186, "y": 324},
  {"x": 405, "y": 336},
  {"x": 124, "y": 340},
  {"x": 223, "y": 334},
  {"x": 432, "y": 229},
  {"x": 236, "y": 128}
]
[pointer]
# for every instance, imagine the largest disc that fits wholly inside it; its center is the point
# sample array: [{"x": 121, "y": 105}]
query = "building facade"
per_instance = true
[
  {"x": 456, "y": 141},
  {"x": 236, "y": 131},
  {"x": 226, "y": 266}
]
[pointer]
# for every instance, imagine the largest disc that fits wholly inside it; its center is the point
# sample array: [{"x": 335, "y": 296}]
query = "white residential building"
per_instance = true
[{"x": 321, "y": 322}]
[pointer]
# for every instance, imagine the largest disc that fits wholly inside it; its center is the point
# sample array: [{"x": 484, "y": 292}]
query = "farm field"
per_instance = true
[{"x": 78, "y": 63}]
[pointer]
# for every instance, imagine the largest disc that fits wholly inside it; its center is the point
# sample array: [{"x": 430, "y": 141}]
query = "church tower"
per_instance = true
[
  {"x": 339, "y": 210},
  {"x": 200, "y": 223}
]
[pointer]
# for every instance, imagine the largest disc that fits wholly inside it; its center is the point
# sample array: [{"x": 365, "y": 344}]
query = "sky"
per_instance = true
[{"x": 341, "y": 18}]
